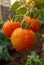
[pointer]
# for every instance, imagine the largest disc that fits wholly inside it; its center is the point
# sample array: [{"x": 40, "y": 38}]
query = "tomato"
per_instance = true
[
  {"x": 35, "y": 23},
  {"x": 9, "y": 27},
  {"x": 23, "y": 39}
]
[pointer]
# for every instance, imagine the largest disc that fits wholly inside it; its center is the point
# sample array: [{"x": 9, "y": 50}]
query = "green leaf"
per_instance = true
[
  {"x": 6, "y": 55},
  {"x": 5, "y": 45},
  {"x": 1, "y": 24},
  {"x": 28, "y": 26},
  {"x": 34, "y": 55},
  {"x": 24, "y": 25},
  {"x": 1, "y": 52},
  {"x": 42, "y": 60},
  {"x": 3, "y": 37},
  {"x": 18, "y": 18},
  {"x": 33, "y": 59},
  {"x": 42, "y": 13},
  {"x": 15, "y": 5},
  {"x": 37, "y": 36},
  {"x": 21, "y": 11},
  {"x": 34, "y": 12},
  {"x": 41, "y": 1},
  {"x": 28, "y": 62}
]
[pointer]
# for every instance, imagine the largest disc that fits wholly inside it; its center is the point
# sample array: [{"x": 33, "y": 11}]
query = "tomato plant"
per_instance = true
[{"x": 23, "y": 39}]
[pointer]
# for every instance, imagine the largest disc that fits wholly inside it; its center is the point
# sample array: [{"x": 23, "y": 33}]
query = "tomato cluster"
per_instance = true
[{"x": 22, "y": 39}]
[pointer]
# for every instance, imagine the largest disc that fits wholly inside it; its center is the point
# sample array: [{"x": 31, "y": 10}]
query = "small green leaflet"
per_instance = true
[
  {"x": 33, "y": 59},
  {"x": 21, "y": 11},
  {"x": 15, "y": 5}
]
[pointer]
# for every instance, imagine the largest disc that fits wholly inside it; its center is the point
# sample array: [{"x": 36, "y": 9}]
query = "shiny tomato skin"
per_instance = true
[{"x": 23, "y": 39}]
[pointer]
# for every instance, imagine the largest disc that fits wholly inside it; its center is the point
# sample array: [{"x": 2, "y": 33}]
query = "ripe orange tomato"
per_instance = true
[
  {"x": 35, "y": 23},
  {"x": 9, "y": 27},
  {"x": 23, "y": 39}
]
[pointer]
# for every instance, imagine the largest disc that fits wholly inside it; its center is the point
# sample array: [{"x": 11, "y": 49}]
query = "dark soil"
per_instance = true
[{"x": 20, "y": 58}]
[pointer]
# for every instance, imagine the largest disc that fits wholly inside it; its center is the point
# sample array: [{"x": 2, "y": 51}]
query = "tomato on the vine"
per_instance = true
[
  {"x": 23, "y": 39},
  {"x": 35, "y": 24},
  {"x": 9, "y": 27}
]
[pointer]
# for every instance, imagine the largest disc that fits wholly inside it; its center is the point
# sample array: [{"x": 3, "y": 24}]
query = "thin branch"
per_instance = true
[{"x": 25, "y": 16}]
